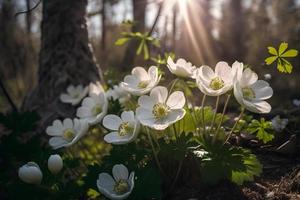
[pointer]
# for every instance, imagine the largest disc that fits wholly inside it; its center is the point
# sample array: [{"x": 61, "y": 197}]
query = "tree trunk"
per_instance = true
[
  {"x": 65, "y": 58},
  {"x": 139, "y": 14}
]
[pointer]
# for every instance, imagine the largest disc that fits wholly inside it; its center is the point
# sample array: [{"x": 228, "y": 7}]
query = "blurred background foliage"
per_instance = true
[{"x": 204, "y": 32}]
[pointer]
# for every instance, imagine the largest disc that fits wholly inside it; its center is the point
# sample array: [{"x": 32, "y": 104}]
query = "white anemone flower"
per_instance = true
[
  {"x": 215, "y": 83},
  {"x": 66, "y": 133},
  {"x": 118, "y": 93},
  {"x": 279, "y": 123},
  {"x": 74, "y": 94},
  {"x": 181, "y": 68},
  {"x": 30, "y": 173},
  {"x": 250, "y": 92},
  {"x": 117, "y": 187},
  {"x": 94, "y": 107},
  {"x": 124, "y": 129},
  {"x": 140, "y": 81},
  {"x": 158, "y": 111}
]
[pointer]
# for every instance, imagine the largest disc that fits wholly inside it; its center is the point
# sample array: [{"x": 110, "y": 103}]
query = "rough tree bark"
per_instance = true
[{"x": 65, "y": 58}]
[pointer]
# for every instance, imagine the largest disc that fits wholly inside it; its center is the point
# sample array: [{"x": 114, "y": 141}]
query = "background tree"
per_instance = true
[{"x": 65, "y": 58}]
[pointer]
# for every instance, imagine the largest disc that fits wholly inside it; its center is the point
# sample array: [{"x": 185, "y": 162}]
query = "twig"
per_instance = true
[
  {"x": 235, "y": 124},
  {"x": 10, "y": 101},
  {"x": 29, "y": 10},
  {"x": 156, "y": 19}
]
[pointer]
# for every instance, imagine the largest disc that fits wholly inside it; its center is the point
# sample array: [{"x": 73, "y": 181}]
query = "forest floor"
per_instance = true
[{"x": 280, "y": 180}]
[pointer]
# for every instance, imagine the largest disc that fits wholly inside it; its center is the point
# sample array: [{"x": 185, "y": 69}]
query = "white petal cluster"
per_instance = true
[
  {"x": 181, "y": 68},
  {"x": 30, "y": 173},
  {"x": 118, "y": 93},
  {"x": 117, "y": 187},
  {"x": 74, "y": 94},
  {"x": 66, "y": 133},
  {"x": 93, "y": 107},
  {"x": 159, "y": 110},
  {"x": 250, "y": 92},
  {"x": 215, "y": 83},
  {"x": 140, "y": 81},
  {"x": 55, "y": 164},
  {"x": 279, "y": 123},
  {"x": 124, "y": 129}
]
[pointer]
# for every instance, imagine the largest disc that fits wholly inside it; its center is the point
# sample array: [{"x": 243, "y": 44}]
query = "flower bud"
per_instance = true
[
  {"x": 55, "y": 164},
  {"x": 30, "y": 173}
]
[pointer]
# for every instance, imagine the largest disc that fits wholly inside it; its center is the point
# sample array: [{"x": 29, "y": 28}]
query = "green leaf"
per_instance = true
[
  {"x": 121, "y": 41},
  {"x": 262, "y": 128},
  {"x": 226, "y": 162},
  {"x": 139, "y": 50},
  {"x": 270, "y": 60},
  {"x": 290, "y": 53},
  {"x": 282, "y": 47},
  {"x": 284, "y": 66},
  {"x": 146, "y": 52},
  {"x": 272, "y": 51}
]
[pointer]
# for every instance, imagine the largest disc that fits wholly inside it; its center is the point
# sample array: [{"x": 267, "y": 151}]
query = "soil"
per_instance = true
[{"x": 280, "y": 181}]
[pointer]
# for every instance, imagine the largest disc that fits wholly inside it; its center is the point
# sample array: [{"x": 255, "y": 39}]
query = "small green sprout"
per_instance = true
[{"x": 283, "y": 65}]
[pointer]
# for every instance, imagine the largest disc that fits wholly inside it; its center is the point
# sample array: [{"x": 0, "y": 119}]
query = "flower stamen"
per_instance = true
[
  {"x": 125, "y": 128},
  {"x": 160, "y": 110},
  {"x": 216, "y": 83},
  {"x": 96, "y": 109},
  {"x": 68, "y": 134},
  {"x": 121, "y": 186},
  {"x": 143, "y": 84},
  {"x": 248, "y": 93}
]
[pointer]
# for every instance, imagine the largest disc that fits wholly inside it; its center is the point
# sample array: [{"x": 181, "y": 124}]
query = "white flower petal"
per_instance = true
[
  {"x": 159, "y": 94},
  {"x": 57, "y": 142},
  {"x": 131, "y": 80},
  {"x": 105, "y": 184},
  {"x": 120, "y": 172},
  {"x": 262, "y": 90},
  {"x": 176, "y": 100},
  {"x": 83, "y": 112},
  {"x": 68, "y": 124},
  {"x": 248, "y": 78},
  {"x": 112, "y": 122},
  {"x": 224, "y": 71},
  {"x": 127, "y": 116},
  {"x": 140, "y": 73},
  {"x": 146, "y": 102}
]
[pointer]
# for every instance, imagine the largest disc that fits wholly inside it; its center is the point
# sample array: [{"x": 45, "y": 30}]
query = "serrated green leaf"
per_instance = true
[
  {"x": 121, "y": 41},
  {"x": 290, "y": 53},
  {"x": 272, "y": 51},
  {"x": 282, "y": 47},
  {"x": 234, "y": 163},
  {"x": 270, "y": 60},
  {"x": 284, "y": 66},
  {"x": 262, "y": 128}
]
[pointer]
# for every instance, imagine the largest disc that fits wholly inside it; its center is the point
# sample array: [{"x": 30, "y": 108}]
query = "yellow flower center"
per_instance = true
[
  {"x": 125, "y": 128},
  {"x": 76, "y": 95},
  {"x": 143, "y": 84},
  {"x": 160, "y": 110},
  {"x": 121, "y": 186},
  {"x": 68, "y": 134},
  {"x": 96, "y": 109},
  {"x": 216, "y": 83},
  {"x": 248, "y": 93}
]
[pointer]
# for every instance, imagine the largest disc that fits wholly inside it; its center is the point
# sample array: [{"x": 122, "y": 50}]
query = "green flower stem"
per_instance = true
[
  {"x": 154, "y": 153},
  {"x": 202, "y": 107},
  {"x": 222, "y": 118},
  {"x": 175, "y": 132},
  {"x": 235, "y": 124},
  {"x": 215, "y": 114},
  {"x": 177, "y": 174},
  {"x": 173, "y": 85}
]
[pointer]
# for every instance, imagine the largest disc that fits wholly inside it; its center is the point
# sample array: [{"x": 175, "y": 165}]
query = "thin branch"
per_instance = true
[
  {"x": 29, "y": 10},
  {"x": 10, "y": 101},
  {"x": 156, "y": 19}
]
